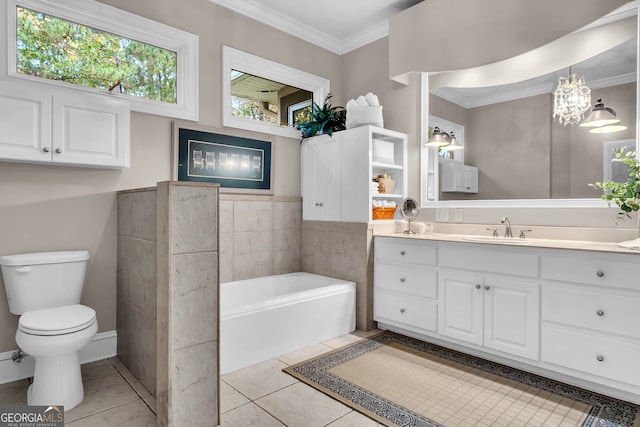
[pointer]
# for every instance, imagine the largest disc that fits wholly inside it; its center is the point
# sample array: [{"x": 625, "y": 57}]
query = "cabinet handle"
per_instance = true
[
  {"x": 58, "y": 150},
  {"x": 600, "y": 358},
  {"x": 487, "y": 287},
  {"x": 600, "y": 273},
  {"x": 319, "y": 204},
  {"x": 46, "y": 149},
  {"x": 600, "y": 313},
  {"x": 402, "y": 280},
  {"x": 402, "y": 253},
  {"x": 402, "y": 310},
  {"x": 478, "y": 286}
]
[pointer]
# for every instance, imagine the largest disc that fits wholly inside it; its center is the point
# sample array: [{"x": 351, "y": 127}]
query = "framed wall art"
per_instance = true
[{"x": 239, "y": 165}]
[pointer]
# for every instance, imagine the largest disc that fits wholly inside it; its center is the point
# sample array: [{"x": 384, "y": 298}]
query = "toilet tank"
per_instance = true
[{"x": 43, "y": 280}]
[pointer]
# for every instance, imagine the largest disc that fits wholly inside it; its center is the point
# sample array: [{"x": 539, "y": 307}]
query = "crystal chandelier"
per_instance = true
[{"x": 571, "y": 99}]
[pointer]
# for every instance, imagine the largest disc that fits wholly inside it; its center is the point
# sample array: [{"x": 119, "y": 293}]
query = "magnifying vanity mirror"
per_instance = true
[
  {"x": 522, "y": 155},
  {"x": 409, "y": 211}
]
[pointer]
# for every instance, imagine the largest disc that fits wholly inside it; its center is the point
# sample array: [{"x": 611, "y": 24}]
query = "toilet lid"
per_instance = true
[{"x": 58, "y": 320}]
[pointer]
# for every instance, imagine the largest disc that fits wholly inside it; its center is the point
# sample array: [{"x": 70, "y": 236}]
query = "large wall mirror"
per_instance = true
[
  {"x": 264, "y": 96},
  {"x": 524, "y": 157}
]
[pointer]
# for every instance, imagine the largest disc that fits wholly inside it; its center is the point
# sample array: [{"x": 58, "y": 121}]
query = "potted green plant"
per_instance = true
[
  {"x": 626, "y": 195},
  {"x": 324, "y": 120}
]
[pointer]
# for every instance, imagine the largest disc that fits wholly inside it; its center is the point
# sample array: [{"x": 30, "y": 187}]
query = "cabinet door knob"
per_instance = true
[
  {"x": 402, "y": 310},
  {"x": 402, "y": 280},
  {"x": 600, "y": 313},
  {"x": 600, "y": 273},
  {"x": 478, "y": 286},
  {"x": 599, "y": 358},
  {"x": 58, "y": 150},
  {"x": 487, "y": 287},
  {"x": 402, "y": 253},
  {"x": 319, "y": 204},
  {"x": 46, "y": 149}
]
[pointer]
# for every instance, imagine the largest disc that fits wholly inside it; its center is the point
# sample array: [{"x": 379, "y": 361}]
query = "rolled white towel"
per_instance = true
[
  {"x": 351, "y": 104},
  {"x": 372, "y": 99},
  {"x": 361, "y": 101}
]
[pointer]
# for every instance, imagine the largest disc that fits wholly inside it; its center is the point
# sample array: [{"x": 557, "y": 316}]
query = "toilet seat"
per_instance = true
[{"x": 57, "y": 321}]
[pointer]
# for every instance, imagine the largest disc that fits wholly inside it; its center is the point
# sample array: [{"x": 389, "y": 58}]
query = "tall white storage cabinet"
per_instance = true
[{"x": 337, "y": 173}]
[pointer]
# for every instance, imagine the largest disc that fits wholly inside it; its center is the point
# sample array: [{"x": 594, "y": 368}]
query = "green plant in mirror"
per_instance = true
[
  {"x": 324, "y": 120},
  {"x": 625, "y": 194}
]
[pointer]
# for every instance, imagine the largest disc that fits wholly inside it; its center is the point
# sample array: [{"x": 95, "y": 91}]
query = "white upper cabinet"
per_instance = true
[
  {"x": 460, "y": 178},
  {"x": 337, "y": 173},
  {"x": 62, "y": 127}
]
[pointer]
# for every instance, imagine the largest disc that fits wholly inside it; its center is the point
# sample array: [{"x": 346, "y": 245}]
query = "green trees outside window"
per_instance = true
[{"x": 55, "y": 49}]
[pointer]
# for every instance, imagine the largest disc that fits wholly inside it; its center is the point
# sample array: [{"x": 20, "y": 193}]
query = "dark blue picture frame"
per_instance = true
[{"x": 231, "y": 161}]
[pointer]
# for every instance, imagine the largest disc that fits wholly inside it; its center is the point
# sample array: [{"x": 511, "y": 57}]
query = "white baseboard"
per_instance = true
[{"x": 102, "y": 346}]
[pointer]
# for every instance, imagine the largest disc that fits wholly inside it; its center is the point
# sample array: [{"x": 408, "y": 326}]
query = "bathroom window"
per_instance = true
[
  {"x": 264, "y": 96},
  {"x": 98, "y": 48}
]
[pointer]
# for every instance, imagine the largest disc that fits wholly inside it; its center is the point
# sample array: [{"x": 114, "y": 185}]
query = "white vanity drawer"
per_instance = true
[
  {"x": 411, "y": 311},
  {"x": 584, "y": 308},
  {"x": 505, "y": 260},
  {"x": 609, "y": 358},
  {"x": 591, "y": 270},
  {"x": 407, "y": 279},
  {"x": 404, "y": 251}
]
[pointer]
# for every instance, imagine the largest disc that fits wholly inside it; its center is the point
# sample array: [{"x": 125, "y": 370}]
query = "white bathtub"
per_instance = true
[{"x": 270, "y": 316}]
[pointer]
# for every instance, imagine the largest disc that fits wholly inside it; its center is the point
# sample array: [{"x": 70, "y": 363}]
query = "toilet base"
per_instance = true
[{"x": 57, "y": 381}]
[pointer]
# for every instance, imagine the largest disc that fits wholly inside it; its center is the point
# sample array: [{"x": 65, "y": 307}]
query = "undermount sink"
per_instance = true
[{"x": 492, "y": 239}]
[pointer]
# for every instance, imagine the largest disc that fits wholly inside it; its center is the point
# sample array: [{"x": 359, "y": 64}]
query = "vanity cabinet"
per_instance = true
[
  {"x": 590, "y": 315},
  {"x": 459, "y": 178},
  {"x": 405, "y": 284},
  {"x": 41, "y": 125},
  {"x": 568, "y": 314},
  {"x": 337, "y": 173}
]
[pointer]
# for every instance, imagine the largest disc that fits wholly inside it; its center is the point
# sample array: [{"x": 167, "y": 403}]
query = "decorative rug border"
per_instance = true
[{"x": 605, "y": 411}]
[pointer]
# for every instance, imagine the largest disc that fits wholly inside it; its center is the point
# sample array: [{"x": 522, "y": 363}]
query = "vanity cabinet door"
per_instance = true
[
  {"x": 512, "y": 316},
  {"x": 461, "y": 306},
  {"x": 321, "y": 178}
]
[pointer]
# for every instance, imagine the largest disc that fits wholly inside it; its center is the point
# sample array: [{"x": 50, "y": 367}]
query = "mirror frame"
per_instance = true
[
  {"x": 233, "y": 59},
  {"x": 506, "y": 203}
]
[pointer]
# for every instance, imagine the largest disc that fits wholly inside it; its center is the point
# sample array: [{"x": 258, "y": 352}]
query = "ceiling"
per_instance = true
[{"x": 337, "y": 25}]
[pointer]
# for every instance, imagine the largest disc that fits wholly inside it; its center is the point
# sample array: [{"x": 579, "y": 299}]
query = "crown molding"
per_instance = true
[{"x": 252, "y": 9}]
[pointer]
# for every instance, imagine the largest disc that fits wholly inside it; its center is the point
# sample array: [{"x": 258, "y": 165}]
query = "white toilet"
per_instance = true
[{"x": 45, "y": 289}]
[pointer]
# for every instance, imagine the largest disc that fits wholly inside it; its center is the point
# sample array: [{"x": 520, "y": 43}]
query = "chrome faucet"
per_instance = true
[{"x": 507, "y": 226}]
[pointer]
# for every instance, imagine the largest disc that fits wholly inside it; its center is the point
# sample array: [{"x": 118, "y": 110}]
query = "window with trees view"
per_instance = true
[{"x": 61, "y": 50}]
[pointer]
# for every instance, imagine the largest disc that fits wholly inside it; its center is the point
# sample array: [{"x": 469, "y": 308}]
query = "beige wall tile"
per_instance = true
[
  {"x": 143, "y": 225},
  {"x": 226, "y": 216},
  {"x": 252, "y": 216},
  {"x": 195, "y": 297},
  {"x": 286, "y": 251},
  {"x": 252, "y": 254},
  {"x": 123, "y": 270},
  {"x": 125, "y": 214},
  {"x": 226, "y": 257},
  {"x": 195, "y": 386},
  {"x": 195, "y": 219},
  {"x": 287, "y": 215},
  {"x": 142, "y": 265}
]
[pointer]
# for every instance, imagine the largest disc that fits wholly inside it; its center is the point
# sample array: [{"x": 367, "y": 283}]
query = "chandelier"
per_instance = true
[{"x": 571, "y": 99}]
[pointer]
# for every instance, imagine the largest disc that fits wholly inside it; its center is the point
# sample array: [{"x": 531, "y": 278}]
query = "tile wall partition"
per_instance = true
[
  {"x": 342, "y": 250},
  {"x": 136, "y": 284},
  {"x": 187, "y": 304}
]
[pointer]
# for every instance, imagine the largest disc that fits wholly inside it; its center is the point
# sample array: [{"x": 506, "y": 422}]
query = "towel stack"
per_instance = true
[
  {"x": 364, "y": 110},
  {"x": 375, "y": 187}
]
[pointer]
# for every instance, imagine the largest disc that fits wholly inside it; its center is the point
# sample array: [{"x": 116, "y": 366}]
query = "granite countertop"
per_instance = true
[{"x": 527, "y": 243}]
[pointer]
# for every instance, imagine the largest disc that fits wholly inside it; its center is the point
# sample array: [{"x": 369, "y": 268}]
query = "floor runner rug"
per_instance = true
[{"x": 400, "y": 381}]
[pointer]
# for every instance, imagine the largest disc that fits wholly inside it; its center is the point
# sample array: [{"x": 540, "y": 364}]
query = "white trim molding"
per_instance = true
[
  {"x": 116, "y": 21},
  {"x": 102, "y": 346},
  {"x": 233, "y": 59}
]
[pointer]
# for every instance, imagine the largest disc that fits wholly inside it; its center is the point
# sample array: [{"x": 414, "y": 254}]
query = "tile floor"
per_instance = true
[{"x": 260, "y": 395}]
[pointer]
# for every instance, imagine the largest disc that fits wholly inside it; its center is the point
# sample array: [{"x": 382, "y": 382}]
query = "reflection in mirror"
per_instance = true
[
  {"x": 268, "y": 101},
  {"x": 510, "y": 136}
]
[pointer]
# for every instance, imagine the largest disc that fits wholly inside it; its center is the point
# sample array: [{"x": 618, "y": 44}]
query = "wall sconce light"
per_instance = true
[
  {"x": 454, "y": 144},
  {"x": 438, "y": 139},
  {"x": 602, "y": 119}
]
